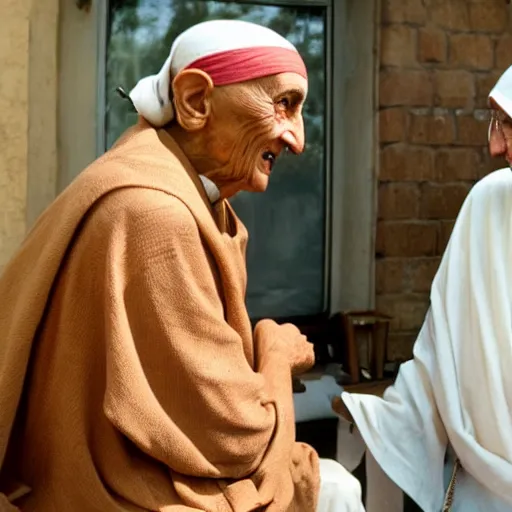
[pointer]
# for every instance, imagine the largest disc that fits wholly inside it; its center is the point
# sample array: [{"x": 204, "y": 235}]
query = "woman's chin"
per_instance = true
[{"x": 260, "y": 181}]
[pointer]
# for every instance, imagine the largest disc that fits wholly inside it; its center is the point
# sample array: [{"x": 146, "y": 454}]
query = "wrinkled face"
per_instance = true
[
  {"x": 500, "y": 134},
  {"x": 252, "y": 124},
  {"x": 234, "y": 134}
]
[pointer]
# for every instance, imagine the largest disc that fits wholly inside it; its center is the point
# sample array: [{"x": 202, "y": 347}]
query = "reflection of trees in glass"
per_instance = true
[{"x": 286, "y": 224}]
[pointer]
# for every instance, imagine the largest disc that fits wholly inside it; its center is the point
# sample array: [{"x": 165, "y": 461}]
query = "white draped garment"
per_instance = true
[{"x": 457, "y": 390}]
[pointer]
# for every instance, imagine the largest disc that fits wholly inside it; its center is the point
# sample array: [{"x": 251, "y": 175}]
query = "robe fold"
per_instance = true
[{"x": 130, "y": 378}]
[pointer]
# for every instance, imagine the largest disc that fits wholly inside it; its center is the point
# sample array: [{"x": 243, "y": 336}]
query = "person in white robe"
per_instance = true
[{"x": 443, "y": 432}]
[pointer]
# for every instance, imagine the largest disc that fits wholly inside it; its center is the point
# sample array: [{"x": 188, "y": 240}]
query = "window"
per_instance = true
[
  {"x": 311, "y": 234},
  {"x": 287, "y": 224}
]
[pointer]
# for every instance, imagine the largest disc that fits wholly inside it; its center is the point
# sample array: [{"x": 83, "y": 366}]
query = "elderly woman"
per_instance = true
[
  {"x": 443, "y": 431},
  {"x": 131, "y": 379}
]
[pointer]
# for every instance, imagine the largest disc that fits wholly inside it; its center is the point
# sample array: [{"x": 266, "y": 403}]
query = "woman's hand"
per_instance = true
[{"x": 290, "y": 342}]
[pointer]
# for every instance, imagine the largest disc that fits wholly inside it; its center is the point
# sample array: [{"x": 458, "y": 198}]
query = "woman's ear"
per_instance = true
[{"x": 191, "y": 90}]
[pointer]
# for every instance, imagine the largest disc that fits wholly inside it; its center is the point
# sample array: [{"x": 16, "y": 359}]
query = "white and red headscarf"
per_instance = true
[{"x": 230, "y": 51}]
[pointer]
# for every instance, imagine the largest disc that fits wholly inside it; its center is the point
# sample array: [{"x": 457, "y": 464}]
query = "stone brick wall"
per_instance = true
[{"x": 438, "y": 61}]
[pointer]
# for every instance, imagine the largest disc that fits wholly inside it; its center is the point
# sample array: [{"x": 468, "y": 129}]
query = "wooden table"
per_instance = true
[{"x": 375, "y": 388}]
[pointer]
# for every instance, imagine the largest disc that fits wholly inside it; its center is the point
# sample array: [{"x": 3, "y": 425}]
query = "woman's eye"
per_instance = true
[{"x": 284, "y": 102}]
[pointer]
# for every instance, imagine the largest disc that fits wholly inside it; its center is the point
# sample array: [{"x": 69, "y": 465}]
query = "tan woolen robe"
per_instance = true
[{"x": 145, "y": 388}]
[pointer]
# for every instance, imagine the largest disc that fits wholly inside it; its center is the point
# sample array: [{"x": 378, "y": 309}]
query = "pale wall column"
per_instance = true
[
  {"x": 14, "y": 55},
  {"x": 28, "y": 106},
  {"x": 43, "y": 107}
]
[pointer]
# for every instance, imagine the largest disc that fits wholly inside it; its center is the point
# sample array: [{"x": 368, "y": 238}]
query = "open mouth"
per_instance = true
[{"x": 269, "y": 157}]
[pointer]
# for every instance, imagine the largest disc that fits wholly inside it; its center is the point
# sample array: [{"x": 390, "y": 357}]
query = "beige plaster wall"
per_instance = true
[
  {"x": 14, "y": 50},
  {"x": 28, "y": 135}
]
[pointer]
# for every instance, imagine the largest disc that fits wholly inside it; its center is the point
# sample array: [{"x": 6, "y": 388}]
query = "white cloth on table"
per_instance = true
[
  {"x": 315, "y": 402},
  {"x": 458, "y": 388},
  {"x": 340, "y": 491}
]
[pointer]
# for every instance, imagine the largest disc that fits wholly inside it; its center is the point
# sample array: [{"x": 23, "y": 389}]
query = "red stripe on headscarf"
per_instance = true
[{"x": 235, "y": 66}]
